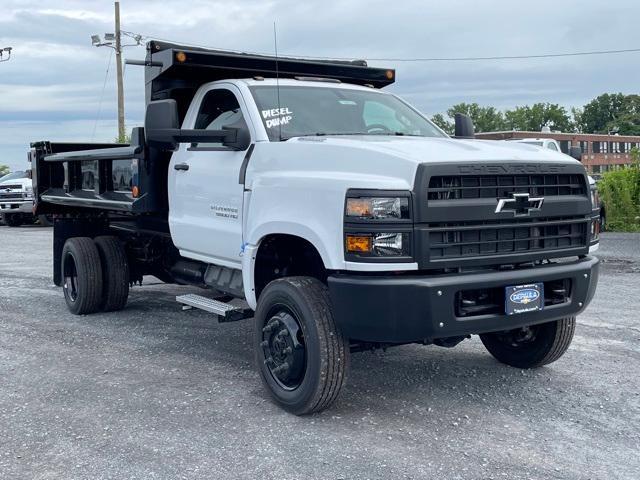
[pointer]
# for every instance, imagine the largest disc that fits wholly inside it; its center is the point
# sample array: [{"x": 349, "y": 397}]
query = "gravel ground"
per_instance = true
[{"x": 155, "y": 392}]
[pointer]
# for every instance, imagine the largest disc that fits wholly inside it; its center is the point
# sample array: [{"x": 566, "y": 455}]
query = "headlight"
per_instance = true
[
  {"x": 383, "y": 244},
  {"x": 378, "y": 208},
  {"x": 595, "y": 229},
  {"x": 595, "y": 199},
  {"x": 28, "y": 191}
]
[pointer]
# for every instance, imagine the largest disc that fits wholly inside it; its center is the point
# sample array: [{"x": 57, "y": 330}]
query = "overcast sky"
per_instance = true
[{"x": 51, "y": 89}]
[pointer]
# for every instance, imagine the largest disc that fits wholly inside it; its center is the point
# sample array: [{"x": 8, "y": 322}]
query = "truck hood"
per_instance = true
[
  {"x": 23, "y": 182},
  {"x": 438, "y": 150}
]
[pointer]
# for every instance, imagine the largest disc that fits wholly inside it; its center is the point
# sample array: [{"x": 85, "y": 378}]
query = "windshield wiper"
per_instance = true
[{"x": 327, "y": 134}]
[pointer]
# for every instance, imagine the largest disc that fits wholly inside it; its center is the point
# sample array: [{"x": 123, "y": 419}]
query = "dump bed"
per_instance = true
[{"x": 112, "y": 177}]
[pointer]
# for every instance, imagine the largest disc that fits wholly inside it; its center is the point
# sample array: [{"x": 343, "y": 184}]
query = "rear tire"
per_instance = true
[
  {"x": 82, "y": 275},
  {"x": 13, "y": 219},
  {"x": 301, "y": 354},
  {"x": 533, "y": 346},
  {"x": 115, "y": 273}
]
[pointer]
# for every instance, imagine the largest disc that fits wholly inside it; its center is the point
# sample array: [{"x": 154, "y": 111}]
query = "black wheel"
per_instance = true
[
  {"x": 82, "y": 275},
  {"x": 115, "y": 273},
  {"x": 13, "y": 220},
  {"x": 301, "y": 354},
  {"x": 532, "y": 346}
]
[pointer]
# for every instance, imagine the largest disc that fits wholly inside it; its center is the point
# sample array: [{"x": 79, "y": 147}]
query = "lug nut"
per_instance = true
[
  {"x": 281, "y": 369},
  {"x": 269, "y": 362}
]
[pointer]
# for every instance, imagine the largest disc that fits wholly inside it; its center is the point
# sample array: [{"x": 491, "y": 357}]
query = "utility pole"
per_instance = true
[
  {"x": 114, "y": 41},
  {"x": 121, "y": 132}
]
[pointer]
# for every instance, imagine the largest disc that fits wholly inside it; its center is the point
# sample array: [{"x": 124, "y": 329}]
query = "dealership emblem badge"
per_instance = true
[{"x": 520, "y": 204}]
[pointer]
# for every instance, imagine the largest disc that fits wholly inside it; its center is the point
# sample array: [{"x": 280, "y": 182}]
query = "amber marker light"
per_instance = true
[
  {"x": 135, "y": 191},
  {"x": 359, "y": 243},
  {"x": 181, "y": 57},
  {"x": 390, "y": 74}
]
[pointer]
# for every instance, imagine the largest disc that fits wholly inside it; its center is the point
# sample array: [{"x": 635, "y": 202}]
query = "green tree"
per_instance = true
[
  {"x": 628, "y": 121},
  {"x": 533, "y": 118},
  {"x": 125, "y": 139},
  {"x": 443, "y": 123},
  {"x": 485, "y": 119},
  {"x": 601, "y": 113},
  {"x": 4, "y": 169}
]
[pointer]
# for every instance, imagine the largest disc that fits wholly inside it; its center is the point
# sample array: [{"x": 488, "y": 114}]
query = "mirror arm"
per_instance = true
[{"x": 177, "y": 135}]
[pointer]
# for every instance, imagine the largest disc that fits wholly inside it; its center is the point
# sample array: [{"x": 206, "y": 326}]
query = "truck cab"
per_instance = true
[
  {"x": 301, "y": 194},
  {"x": 547, "y": 143}
]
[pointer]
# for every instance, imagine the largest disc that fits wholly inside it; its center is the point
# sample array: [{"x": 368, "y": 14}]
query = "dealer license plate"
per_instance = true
[{"x": 524, "y": 298}]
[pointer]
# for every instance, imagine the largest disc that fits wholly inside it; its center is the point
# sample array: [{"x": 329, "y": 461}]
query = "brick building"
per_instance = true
[{"x": 599, "y": 152}]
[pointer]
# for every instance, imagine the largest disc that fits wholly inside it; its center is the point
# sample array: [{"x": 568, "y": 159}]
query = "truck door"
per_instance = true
[{"x": 205, "y": 197}]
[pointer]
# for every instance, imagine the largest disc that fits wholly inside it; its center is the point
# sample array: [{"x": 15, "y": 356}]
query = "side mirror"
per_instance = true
[
  {"x": 464, "y": 126},
  {"x": 161, "y": 123},
  {"x": 575, "y": 151},
  {"x": 162, "y": 129}
]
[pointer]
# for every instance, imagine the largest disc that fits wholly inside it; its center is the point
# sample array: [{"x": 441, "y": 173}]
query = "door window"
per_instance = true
[
  {"x": 552, "y": 146},
  {"x": 219, "y": 108}
]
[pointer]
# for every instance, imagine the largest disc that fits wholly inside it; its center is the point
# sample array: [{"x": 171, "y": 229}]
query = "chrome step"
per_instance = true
[{"x": 225, "y": 311}]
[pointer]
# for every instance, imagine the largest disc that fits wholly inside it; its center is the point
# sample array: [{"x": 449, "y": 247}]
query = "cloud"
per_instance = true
[{"x": 53, "y": 86}]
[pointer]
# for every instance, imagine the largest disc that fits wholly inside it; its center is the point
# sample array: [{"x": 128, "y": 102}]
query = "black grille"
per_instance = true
[
  {"x": 11, "y": 196},
  {"x": 12, "y": 187},
  {"x": 497, "y": 238},
  {"x": 501, "y": 186}
]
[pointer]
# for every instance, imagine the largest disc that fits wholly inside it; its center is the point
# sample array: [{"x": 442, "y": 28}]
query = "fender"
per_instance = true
[{"x": 250, "y": 250}]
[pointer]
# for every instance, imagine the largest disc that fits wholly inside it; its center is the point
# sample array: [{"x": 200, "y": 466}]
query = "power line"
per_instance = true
[
  {"x": 418, "y": 59},
  {"x": 507, "y": 57},
  {"x": 104, "y": 84}
]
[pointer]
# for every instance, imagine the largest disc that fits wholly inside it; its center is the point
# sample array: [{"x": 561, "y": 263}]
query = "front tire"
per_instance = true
[
  {"x": 301, "y": 354},
  {"x": 533, "y": 346},
  {"x": 82, "y": 276}
]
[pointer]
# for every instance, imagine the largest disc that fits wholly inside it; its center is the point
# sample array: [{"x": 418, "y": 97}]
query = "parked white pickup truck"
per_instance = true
[
  {"x": 16, "y": 199},
  {"x": 332, "y": 212}
]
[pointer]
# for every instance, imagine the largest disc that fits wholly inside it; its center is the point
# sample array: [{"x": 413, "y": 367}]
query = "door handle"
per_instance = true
[{"x": 181, "y": 166}]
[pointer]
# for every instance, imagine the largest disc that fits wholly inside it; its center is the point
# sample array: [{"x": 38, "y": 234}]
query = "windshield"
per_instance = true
[
  {"x": 532, "y": 142},
  {"x": 310, "y": 111},
  {"x": 13, "y": 176}
]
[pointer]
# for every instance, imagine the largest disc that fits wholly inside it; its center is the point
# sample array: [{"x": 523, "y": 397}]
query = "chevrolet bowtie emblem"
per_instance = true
[{"x": 520, "y": 204}]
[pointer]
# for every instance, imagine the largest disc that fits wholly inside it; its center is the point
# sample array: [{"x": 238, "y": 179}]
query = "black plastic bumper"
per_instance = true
[{"x": 401, "y": 308}]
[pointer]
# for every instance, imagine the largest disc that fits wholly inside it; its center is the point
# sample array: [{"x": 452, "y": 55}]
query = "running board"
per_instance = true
[{"x": 225, "y": 311}]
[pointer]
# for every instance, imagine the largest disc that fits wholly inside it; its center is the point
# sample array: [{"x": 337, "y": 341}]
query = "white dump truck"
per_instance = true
[{"x": 303, "y": 195}]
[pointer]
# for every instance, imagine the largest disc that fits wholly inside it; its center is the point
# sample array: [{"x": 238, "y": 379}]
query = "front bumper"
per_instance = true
[
  {"x": 412, "y": 308},
  {"x": 16, "y": 206}
]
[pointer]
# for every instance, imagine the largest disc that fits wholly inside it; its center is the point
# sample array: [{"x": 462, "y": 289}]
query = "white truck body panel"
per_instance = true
[{"x": 298, "y": 186}]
